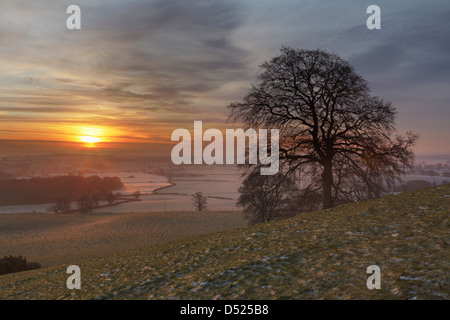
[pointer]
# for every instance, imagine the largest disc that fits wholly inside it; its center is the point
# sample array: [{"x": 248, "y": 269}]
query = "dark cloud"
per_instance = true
[
  {"x": 378, "y": 60},
  {"x": 410, "y": 50},
  {"x": 159, "y": 52},
  {"x": 34, "y": 109}
]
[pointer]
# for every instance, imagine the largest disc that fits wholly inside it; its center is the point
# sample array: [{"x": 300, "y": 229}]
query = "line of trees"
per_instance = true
[
  {"x": 84, "y": 204},
  {"x": 63, "y": 189},
  {"x": 11, "y": 264}
]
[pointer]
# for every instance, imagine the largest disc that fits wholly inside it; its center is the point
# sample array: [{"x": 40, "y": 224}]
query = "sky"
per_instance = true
[{"x": 137, "y": 70}]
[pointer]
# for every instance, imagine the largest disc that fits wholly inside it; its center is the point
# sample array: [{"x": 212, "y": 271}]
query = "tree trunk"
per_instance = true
[{"x": 327, "y": 183}]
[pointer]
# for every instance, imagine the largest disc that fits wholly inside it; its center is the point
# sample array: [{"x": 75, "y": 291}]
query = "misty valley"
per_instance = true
[
  {"x": 111, "y": 184},
  {"x": 140, "y": 184}
]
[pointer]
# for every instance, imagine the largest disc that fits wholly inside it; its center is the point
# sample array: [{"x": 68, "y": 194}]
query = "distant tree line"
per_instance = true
[
  {"x": 6, "y": 175},
  {"x": 11, "y": 264},
  {"x": 59, "y": 189},
  {"x": 413, "y": 185}
]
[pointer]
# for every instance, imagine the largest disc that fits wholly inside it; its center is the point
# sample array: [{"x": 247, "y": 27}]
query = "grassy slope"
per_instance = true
[{"x": 319, "y": 255}]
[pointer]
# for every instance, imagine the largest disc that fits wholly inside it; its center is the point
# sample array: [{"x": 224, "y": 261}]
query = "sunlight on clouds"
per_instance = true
[{"x": 137, "y": 70}]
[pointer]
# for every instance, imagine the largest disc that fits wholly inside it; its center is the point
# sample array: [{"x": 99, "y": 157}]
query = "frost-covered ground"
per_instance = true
[{"x": 317, "y": 255}]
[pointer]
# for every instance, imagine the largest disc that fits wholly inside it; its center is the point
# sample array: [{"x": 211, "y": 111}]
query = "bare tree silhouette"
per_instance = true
[
  {"x": 62, "y": 205},
  {"x": 330, "y": 124},
  {"x": 199, "y": 201},
  {"x": 265, "y": 198}
]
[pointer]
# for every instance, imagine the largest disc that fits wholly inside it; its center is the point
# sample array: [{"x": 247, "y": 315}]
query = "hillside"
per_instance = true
[{"x": 319, "y": 255}]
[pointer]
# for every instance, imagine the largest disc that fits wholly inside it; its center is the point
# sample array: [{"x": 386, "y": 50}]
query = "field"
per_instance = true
[
  {"x": 51, "y": 239},
  {"x": 220, "y": 185},
  {"x": 318, "y": 255}
]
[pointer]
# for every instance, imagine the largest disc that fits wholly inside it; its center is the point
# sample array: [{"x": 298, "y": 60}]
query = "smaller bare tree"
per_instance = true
[
  {"x": 199, "y": 201},
  {"x": 266, "y": 198},
  {"x": 96, "y": 199},
  {"x": 62, "y": 205},
  {"x": 136, "y": 195},
  {"x": 110, "y": 197},
  {"x": 85, "y": 204}
]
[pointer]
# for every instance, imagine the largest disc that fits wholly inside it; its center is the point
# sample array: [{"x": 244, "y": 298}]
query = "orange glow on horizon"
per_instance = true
[{"x": 68, "y": 136}]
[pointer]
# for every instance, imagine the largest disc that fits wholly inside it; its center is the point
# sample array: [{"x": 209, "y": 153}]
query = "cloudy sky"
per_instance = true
[{"x": 139, "y": 69}]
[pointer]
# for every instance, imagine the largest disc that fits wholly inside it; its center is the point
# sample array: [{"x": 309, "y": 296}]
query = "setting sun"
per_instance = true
[
  {"x": 89, "y": 139},
  {"x": 90, "y": 136}
]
